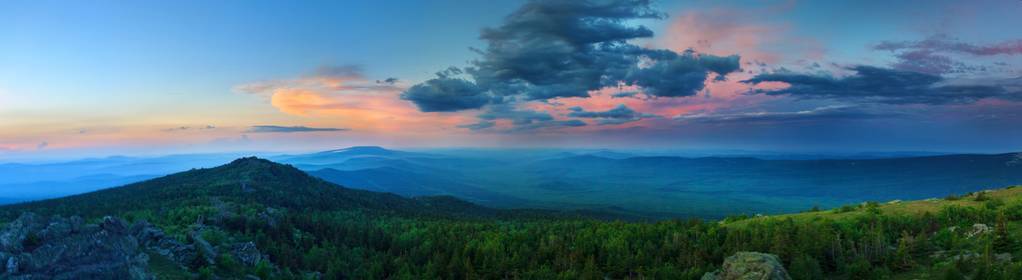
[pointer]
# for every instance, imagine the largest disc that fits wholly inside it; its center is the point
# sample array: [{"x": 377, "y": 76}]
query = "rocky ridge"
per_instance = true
[{"x": 34, "y": 247}]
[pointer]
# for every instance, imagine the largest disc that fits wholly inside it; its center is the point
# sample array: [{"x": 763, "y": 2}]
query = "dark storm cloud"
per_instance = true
[
  {"x": 446, "y": 95},
  {"x": 289, "y": 129},
  {"x": 883, "y": 85},
  {"x": 817, "y": 114},
  {"x": 552, "y": 49}
]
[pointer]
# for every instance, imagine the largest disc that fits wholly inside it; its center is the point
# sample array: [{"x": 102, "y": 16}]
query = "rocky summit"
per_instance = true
[
  {"x": 750, "y": 266},
  {"x": 34, "y": 247}
]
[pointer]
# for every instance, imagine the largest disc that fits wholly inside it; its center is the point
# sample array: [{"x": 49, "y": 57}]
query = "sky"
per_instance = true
[{"x": 102, "y": 77}]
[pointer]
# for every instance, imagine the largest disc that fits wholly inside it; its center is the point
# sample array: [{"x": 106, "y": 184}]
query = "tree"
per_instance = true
[
  {"x": 903, "y": 255},
  {"x": 805, "y": 267},
  {"x": 1003, "y": 242}
]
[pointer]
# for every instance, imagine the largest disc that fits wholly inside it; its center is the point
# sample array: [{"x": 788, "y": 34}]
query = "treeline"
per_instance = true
[{"x": 869, "y": 245}]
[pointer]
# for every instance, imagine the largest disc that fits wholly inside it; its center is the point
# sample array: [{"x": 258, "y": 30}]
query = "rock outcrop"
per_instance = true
[
  {"x": 750, "y": 266},
  {"x": 33, "y": 247},
  {"x": 64, "y": 248}
]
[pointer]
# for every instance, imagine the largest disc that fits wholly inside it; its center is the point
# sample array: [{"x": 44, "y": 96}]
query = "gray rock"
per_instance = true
[
  {"x": 64, "y": 249},
  {"x": 12, "y": 238},
  {"x": 750, "y": 266},
  {"x": 12, "y": 265},
  {"x": 57, "y": 228},
  {"x": 246, "y": 253},
  {"x": 203, "y": 246},
  {"x": 1003, "y": 257},
  {"x": 114, "y": 225}
]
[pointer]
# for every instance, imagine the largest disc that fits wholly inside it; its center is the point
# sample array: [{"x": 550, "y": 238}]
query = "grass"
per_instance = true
[{"x": 1010, "y": 196}]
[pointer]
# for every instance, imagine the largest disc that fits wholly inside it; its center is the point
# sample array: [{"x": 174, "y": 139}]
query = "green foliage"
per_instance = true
[
  {"x": 953, "y": 273},
  {"x": 263, "y": 270},
  {"x": 1003, "y": 241},
  {"x": 981, "y": 196},
  {"x": 805, "y": 267},
  {"x": 845, "y": 209}
]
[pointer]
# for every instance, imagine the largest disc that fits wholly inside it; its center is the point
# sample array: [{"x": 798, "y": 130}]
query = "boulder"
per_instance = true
[
  {"x": 750, "y": 266},
  {"x": 978, "y": 229},
  {"x": 13, "y": 236}
]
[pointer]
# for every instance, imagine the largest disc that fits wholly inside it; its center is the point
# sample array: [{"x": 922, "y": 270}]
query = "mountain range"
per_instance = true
[{"x": 655, "y": 186}]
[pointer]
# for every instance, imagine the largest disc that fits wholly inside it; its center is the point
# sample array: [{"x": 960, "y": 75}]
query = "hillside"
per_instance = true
[
  {"x": 243, "y": 181},
  {"x": 272, "y": 221}
]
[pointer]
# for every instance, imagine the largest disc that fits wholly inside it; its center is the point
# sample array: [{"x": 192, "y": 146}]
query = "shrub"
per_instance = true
[{"x": 981, "y": 196}]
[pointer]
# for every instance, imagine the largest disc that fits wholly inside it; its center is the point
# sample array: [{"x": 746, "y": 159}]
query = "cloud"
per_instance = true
[
  {"x": 835, "y": 112},
  {"x": 289, "y": 129},
  {"x": 943, "y": 42},
  {"x": 618, "y": 115},
  {"x": 884, "y": 85},
  {"x": 563, "y": 49},
  {"x": 624, "y": 94},
  {"x": 183, "y": 128},
  {"x": 42, "y": 145},
  {"x": 520, "y": 119},
  {"x": 548, "y": 124},
  {"x": 933, "y": 54},
  {"x": 517, "y": 116},
  {"x": 344, "y": 78},
  {"x": 926, "y": 61},
  {"x": 446, "y": 95},
  {"x": 479, "y": 125}
]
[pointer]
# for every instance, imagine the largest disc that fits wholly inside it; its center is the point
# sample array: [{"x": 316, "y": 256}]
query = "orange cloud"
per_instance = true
[{"x": 354, "y": 102}]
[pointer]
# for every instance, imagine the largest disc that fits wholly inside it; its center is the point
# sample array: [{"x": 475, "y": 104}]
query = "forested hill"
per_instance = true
[{"x": 243, "y": 181}]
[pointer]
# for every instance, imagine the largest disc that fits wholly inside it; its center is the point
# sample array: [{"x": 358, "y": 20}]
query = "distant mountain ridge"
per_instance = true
[{"x": 674, "y": 186}]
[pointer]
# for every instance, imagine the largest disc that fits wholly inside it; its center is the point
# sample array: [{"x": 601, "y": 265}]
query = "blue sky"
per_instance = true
[{"x": 108, "y": 77}]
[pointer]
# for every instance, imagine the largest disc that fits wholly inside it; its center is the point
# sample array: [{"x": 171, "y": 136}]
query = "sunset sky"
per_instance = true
[{"x": 93, "y": 78}]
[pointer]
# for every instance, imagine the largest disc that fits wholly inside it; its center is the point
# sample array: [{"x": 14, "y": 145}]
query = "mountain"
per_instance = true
[
  {"x": 671, "y": 186},
  {"x": 412, "y": 184},
  {"x": 371, "y": 153},
  {"x": 244, "y": 181}
]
